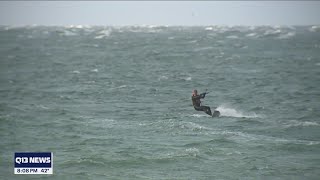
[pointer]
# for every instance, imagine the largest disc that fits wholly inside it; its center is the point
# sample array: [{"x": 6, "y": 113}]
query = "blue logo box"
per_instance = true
[{"x": 33, "y": 160}]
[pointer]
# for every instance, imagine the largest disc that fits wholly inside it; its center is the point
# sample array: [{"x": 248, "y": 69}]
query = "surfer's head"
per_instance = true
[{"x": 194, "y": 92}]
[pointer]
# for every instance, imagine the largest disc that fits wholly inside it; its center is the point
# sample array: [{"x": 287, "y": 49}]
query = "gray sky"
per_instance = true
[{"x": 160, "y": 13}]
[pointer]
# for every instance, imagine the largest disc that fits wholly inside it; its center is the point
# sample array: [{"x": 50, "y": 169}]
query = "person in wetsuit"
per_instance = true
[{"x": 197, "y": 103}]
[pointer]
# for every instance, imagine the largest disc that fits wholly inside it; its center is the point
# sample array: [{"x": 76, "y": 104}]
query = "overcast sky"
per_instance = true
[{"x": 160, "y": 13}]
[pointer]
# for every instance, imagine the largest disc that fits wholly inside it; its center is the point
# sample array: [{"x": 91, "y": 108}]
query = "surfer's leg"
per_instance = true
[
  {"x": 207, "y": 110},
  {"x": 198, "y": 108}
]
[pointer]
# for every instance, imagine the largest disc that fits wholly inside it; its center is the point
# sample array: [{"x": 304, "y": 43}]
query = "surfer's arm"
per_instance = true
[{"x": 202, "y": 95}]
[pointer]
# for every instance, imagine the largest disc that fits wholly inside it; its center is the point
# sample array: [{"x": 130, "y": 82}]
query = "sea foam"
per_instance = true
[{"x": 230, "y": 112}]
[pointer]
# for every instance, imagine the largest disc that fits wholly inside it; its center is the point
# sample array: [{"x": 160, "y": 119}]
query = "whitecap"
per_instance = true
[
  {"x": 295, "y": 123},
  {"x": 308, "y": 123},
  {"x": 94, "y": 70},
  {"x": 6, "y": 28},
  {"x": 79, "y": 26},
  {"x": 163, "y": 78},
  {"x": 272, "y": 32},
  {"x": 193, "y": 41},
  {"x": 194, "y": 126},
  {"x": 43, "y": 107},
  {"x": 246, "y": 137},
  {"x": 99, "y": 37},
  {"x": 239, "y": 136},
  {"x": 102, "y": 34},
  {"x": 76, "y": 72},
  {"x": 209, "y": 28},
  {"x": 191, "y": 126},
  {"x": 314, "y": 28},
  {"x": 98, "y": 122},
  {"x": 188, "y": 79},
  {"x": 252, "y": 35},
  {"x": 143, "y": 124},
  {"x": 232, "y": 37},
  {"x": 90, "y": 82},
  {"x": 122, "y": 86},
  {"x": 202, "y": 48},
  {"x": 310, "y": 143},
  {"x": 193, "y": 151},
  {"x": 198, "y": 115},
  {"x": 287, "y": 36},
  {"x": 69, "y": 33}
]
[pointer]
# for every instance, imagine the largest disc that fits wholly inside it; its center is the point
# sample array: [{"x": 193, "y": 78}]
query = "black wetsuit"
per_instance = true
[{"x": 197, "y": 104}]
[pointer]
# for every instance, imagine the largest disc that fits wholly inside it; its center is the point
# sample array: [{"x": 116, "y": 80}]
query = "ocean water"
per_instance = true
[{"x": 115, "y": 102}]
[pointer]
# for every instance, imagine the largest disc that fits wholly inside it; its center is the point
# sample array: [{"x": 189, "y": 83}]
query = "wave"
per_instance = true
[
  {"x": 42, "y": 107},
  {"x": 230, "y": 112},
  {"x": 181, "y": 76},
  {"x": 78, "y": 26},
  {"x": 287, "y": 36},
  {"x": 251, "y": 35},
  {"x": 314, "y": 29},
  {"x": 94, "y": 70},
  {"x": 255, "y": 138},
  {"x": 223, "y": 28},
  {"x": 122, "y": 86},
  {"x": 198, "y": 115},
  {"x": 170, "y": 155},
  {"x": 193, "y": 41},
  {"x": 89, "y": 161},
  {"x": 118, "y": 87},
  {"x": 68, "y": 33},
  {"x": 103, "y": 34},
  {"x": 295, "y": 123},
  {"x": 188, "y": 78},
  {"x": 271, "y": 32},
  {"x": 193, "y": 126},
  {"x": 96, "y": 122},
  {"x": 192, "y": 151},
  {"x": 143, "y": 28},
  {"x": 189, "y": 152},
  {"x": 163, "y": 77},
  {"x": 202, "y": 48},
  {"x": 178, "y": 127},
  {"x": 208, "y": 28},
  {"x": 232, "y": 37},
  {"x": 75, "y": 72}
]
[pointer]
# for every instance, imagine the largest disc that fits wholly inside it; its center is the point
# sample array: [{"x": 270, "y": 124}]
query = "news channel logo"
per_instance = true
[{"x": 33, "y": 163}]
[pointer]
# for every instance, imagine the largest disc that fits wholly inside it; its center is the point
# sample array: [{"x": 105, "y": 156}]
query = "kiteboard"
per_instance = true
[{"x": 216, "y": 113}]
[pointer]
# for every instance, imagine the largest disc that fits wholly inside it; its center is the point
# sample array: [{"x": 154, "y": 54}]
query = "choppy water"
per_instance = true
[{"x": 115, "y": 102}]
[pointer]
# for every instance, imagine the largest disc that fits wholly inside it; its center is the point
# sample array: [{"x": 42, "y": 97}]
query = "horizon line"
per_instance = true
[{"x": 153, "y": 25}]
